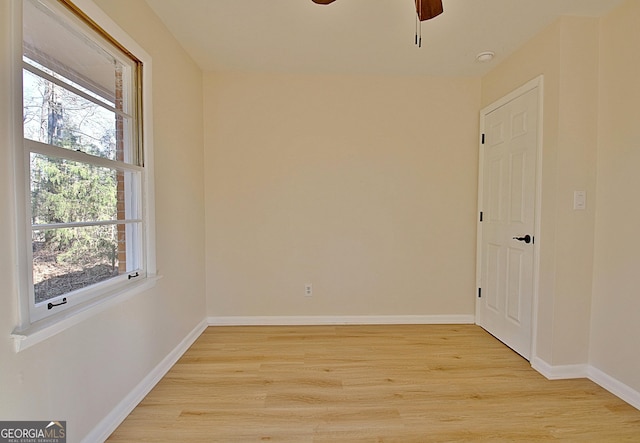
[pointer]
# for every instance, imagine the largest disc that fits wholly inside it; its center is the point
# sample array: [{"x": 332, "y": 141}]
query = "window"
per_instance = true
[{"x": 86, "y": 187}]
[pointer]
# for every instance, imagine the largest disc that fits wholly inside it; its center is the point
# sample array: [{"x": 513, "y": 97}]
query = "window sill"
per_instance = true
[{"x": 46, "y": 328}]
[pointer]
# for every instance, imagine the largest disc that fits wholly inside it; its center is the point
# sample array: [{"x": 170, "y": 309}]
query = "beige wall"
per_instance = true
[
  {"x": 576, "y": 170},
  {"x": 365, "y": 187},
  {"x": 615, "y": 328},
  {"x": 566, "y": 54},
  {"x": 80, "y": 375}
]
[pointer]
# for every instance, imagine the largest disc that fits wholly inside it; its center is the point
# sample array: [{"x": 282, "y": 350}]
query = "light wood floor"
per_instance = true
[{"x": 369, "y": 384}]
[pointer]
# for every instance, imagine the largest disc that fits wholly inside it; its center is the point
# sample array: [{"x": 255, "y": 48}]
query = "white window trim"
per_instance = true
[{"x": 26, "y": 333}]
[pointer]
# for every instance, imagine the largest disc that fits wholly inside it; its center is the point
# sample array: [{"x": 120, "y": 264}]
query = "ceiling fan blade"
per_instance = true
[
  {"x": 323, "y": 2},
  {"x": 427, "y": 9}
]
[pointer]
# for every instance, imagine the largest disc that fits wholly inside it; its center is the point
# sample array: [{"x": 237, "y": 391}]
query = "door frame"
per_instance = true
[{"x": 536, "y": 83}]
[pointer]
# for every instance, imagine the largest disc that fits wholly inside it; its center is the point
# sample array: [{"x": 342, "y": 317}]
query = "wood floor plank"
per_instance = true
[{"x": 402, "y": 383}]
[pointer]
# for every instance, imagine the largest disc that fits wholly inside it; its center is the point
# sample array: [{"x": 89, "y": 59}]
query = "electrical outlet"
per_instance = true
[{"x": 308, "y": 290}]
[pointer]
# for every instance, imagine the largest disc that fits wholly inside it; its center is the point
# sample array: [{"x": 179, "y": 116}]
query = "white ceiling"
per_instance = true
[{"x": 359, "y": 36}]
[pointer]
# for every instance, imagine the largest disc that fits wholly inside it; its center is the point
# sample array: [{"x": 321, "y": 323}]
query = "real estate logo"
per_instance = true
[{"x": 33, "y": 432}]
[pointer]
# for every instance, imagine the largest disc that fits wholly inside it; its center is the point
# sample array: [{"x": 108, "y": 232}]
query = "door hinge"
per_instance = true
[
  {"x": 479, "y": 292},
  {"x": 481, "y": 216},
  {"x": 483, "y": 139}
]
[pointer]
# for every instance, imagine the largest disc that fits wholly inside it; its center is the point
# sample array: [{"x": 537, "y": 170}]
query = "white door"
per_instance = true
[{"x": 506, "y": 230}]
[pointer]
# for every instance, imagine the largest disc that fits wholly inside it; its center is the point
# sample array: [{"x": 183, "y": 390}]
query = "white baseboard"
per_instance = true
[
  {"x": 109, "y": 424},
  {"x": 559, "y": 372},
  {"x": 340, "y": 320},
  {"x": 616, "y": 387}
]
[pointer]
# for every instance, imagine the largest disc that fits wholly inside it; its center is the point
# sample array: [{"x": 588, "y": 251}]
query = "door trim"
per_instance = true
[{"x": 536, "y": 83}]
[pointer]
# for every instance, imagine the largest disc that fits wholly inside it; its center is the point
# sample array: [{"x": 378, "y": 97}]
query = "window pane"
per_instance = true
[
  {"x": 68, "y": 259},
  {"x": 56, "y": 116},
  {"x": 64, "y": 191}
]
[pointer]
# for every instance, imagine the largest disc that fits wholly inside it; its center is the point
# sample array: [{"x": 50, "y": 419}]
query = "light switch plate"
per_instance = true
[{"x": 579, "y": 200}]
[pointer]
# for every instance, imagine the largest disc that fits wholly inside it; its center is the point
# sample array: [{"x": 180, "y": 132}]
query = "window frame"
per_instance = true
[{"x": 30, "y": 330}]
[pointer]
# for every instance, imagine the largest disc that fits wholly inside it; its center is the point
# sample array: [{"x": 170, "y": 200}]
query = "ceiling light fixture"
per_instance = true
[{"x": 486, "y": 56}]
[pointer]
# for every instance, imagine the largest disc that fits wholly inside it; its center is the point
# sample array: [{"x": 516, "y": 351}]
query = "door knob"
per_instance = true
[{"x": 526, "y": 238}]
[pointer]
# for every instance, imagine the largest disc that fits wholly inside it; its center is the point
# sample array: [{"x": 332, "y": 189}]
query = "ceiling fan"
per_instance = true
[{"x": 425, "y": 10}]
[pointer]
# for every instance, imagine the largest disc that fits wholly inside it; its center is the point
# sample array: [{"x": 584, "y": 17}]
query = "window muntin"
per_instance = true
[{"x": 84, "y": 160}]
